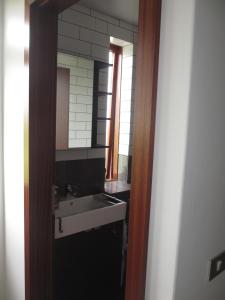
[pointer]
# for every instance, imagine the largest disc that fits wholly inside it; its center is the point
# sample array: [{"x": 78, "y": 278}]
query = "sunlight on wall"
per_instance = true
[
  {"x": 2, "y": 248},
  {"x": 15, "y": 97},
  {"x": 17, "y": 34},
  {"x": 126, "y": 98}
]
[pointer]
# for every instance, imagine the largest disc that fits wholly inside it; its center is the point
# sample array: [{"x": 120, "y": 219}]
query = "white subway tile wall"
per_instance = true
[
  {"x": 86, "y": 32},
  {"x": 80, "y": 106}
]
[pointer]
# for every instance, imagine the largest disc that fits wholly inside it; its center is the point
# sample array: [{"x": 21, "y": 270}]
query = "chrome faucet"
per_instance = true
[
  {"x": 55, "y": 197},
  {"x": 72, "y": 189}
]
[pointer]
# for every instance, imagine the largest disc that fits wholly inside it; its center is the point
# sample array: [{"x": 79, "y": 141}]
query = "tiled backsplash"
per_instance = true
[
  {"x": 87, "y": 32},
  {"x": 87, "y": 174}
]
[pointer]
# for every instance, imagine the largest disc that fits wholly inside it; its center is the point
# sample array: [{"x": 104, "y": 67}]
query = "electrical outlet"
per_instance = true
[{"x": 217, "y": 266}]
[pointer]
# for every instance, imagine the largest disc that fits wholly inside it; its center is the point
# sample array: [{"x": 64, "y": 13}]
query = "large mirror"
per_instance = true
[
  {"x": 83, "y": 98},
  {"x": 74, "y": 101}
]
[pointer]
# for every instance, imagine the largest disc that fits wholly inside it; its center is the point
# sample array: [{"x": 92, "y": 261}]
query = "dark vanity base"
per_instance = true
[{"x": 88, "y": 265}]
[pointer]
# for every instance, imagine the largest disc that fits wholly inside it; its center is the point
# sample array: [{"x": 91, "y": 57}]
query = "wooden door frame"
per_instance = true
[
  {"x": 113, "y": 151},
  {"x": 41, "y": 146}
]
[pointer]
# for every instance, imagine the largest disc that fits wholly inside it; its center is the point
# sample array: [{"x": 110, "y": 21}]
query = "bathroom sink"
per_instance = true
[{"x": 81, "y": 214}]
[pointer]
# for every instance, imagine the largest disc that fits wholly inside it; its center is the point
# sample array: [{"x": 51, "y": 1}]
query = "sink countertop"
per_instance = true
[
  {"x": 113, "y": 187},
  {"x": 81, "y": 214}
]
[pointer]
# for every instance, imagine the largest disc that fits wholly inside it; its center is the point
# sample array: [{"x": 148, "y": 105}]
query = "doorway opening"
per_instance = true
[
  {"x": 93, "y": 115},
  {"x": 38, "y": 213}
]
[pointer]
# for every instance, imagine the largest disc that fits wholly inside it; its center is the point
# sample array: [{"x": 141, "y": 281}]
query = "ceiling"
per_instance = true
[{"x": 127, "y": 10}]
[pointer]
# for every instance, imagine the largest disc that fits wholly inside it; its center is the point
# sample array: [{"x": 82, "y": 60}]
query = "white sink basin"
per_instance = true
[{"x": 80, "y": 214}]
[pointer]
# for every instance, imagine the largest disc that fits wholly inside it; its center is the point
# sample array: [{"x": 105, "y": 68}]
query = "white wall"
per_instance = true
[
  {"x": 170, "y": 146},
  {"x": 15, "y": 95},
  {"x": 187, "y": 219},
  {"x": 202, "y": 235},
  {"x": 2, "y": 242}
]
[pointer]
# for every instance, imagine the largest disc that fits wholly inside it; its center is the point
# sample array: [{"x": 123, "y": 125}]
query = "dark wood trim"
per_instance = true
[
  {"x": 116, "y": 108},
  {"x": 98, "y": 65},
  {"x": 55, "y": 5},
  {"x": 38, "y": 208},
  {"x": 42, "y": 116},
  {"x": 94, "y": 139},
  {"x": 62, "y": 108},
  {"x": 143, "y": 146},
  {"x": 112, "y": 152},
  {"x": 26, "y": 171}
]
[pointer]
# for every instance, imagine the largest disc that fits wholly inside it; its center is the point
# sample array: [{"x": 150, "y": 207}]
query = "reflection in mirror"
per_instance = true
[{"x": 77, "y": 110}]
